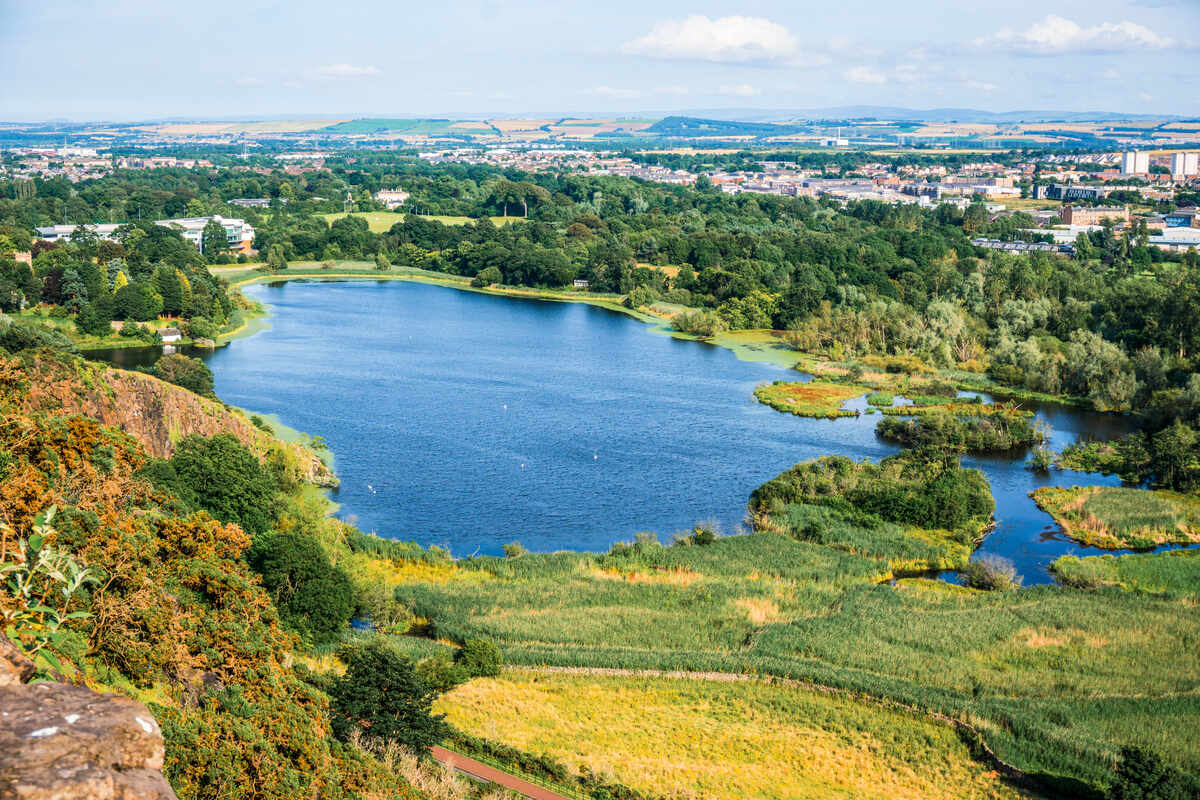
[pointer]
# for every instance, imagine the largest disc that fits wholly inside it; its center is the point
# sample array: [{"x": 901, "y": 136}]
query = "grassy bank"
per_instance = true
[
  {"x": 727, "y": 741},
  {"x": 1118, "y": 517}
]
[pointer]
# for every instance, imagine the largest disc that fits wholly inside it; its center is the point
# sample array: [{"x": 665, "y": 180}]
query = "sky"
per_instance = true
[{"x": 157, "y": 59}]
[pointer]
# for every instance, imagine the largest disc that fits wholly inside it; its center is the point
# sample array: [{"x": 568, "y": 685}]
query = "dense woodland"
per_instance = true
[{"x": 1115, "y": 326}]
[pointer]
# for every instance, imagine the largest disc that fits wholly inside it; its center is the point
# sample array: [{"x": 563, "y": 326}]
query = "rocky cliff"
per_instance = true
[{"x": 156, "y": 413}]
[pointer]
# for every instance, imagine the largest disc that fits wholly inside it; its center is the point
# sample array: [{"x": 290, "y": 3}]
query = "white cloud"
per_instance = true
[
  {"x": 727, "y": 40},
  {"x": 981, "y": 86},
  {"x": 612, "y": 91},
  {"x": 249, "y": 81},
  {"x": 744, "y": 90},
  {"x": 622, "y": 93},
  {"x": 865, "y": 75},
  {"x": 1110, "y": 74},
  {"x": 1057, "y": 35},
  {"x": 344, "y": 71}
]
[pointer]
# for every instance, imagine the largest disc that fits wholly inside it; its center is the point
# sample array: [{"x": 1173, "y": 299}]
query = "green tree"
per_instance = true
[
  {"x": 222, "y": 477},
  {"x": 487, "y": 277},
  {"x": 382, "y": 696},
  {"x": 213, "y": 240},
  {"x": 190, "y": 373},
  {"x": 382, "y": 262},
  {"x": 1142, "y": 775},
  {"x": 95, "y": 319},
  {"x": 137, "y": 301},
  {"x": 166, "y": 282},
  {"x": 314, "y": 598},
  {"x": 276, "y": 260},
  {"x": 479, "y": 657}
]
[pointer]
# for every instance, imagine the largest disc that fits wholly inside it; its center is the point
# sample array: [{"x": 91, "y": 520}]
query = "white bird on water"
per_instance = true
[{"x": 372, "y": 488}]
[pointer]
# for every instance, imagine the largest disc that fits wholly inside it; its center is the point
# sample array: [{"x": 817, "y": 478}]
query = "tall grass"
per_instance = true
[
  {"x": 720, "y": 740},
  {"x": 1055, "y": 679}
]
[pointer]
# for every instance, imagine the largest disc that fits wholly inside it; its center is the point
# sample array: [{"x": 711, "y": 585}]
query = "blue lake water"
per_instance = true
[{"x": 468, "y": 421}]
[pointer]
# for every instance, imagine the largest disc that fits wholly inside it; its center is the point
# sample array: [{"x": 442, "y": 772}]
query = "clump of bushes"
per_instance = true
[
  {"x": 190, "y": 373},
  {"x": 926, "y": 488},
  {"x": 382, "y": 697},
  {"x": 314, "y": 598},
  {"x": 992, "y": 573},
  {"x": 486, "y": 277},
  {"x": 975, "y": 433},
  {"x": 220, "y": 476},
  {"x": 701, "y": 323}
]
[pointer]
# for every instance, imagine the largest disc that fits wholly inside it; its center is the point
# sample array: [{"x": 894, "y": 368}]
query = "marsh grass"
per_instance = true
[
  {"x": 700, "y": 738},
  {"x": 819, "y": 399},
  {"x": 1055, "y": 679},
  {"x": 1174, "y": 574},
  {"x": 1119, "y": 517}
]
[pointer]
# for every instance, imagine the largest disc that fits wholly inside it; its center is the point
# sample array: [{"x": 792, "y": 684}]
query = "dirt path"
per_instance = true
[{"x": 492, "y": 775}]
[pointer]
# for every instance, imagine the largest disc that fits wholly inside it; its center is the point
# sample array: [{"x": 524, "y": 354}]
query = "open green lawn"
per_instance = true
[{"x": 382, "y": 221}]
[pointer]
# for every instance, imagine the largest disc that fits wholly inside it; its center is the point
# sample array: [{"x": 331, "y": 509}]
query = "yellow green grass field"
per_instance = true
[
  {"x": 1118, "y": 517},
  {"x": 812, "y": 399},
  {"x": 382, "y": 221},
  {"x": 683, "y": 738}
]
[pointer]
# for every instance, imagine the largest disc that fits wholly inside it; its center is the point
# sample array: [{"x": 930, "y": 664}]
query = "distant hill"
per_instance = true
[
  {"x": 899, "y": 114},
  {"x": 695, "y": 126}
]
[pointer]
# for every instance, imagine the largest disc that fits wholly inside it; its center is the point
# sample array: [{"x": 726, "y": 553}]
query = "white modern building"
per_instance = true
[
  {"x": 54, "y": 233},
  {"x": 391, "y": 198},
  {"x": 238, "y": 233},
  {"x": 1135, "y": 162},
  {"x": 1185, "y": 164}
]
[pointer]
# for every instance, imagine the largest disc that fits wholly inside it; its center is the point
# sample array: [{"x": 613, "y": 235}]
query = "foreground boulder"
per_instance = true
[{"x": 64, "y": 742}]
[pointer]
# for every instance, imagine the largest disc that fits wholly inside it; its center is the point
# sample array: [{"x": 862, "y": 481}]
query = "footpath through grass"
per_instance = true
[{"x": 727, "y": 741}]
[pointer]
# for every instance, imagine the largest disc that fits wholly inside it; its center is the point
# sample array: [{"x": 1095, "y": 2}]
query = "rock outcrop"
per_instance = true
[
  {"x": 156, "y": 413},
  {"x": 65, "y": 742}
]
